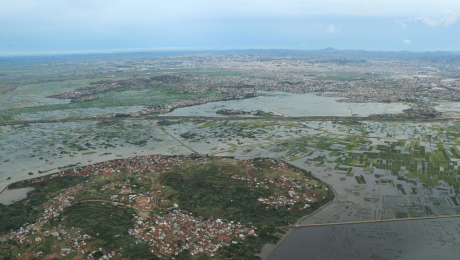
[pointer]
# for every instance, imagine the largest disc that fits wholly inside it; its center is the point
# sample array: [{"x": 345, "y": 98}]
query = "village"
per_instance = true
[
  {"x": 57, "y": 205},
  {"x": 297, "y": 191},
  {"x": 196, "y": 234},
  {"x": 168, "y": 234}
]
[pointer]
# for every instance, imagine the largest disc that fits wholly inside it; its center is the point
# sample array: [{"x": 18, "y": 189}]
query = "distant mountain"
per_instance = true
[
  {"x": 263, "y": 54},
  {"x": 445, "y": 58}
]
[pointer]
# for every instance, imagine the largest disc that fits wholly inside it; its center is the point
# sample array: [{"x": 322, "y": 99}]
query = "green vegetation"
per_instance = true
[
  {"x": 107, "y": 224},
  {"x": 203, "y": 189},
  {"x": 205, "y": 193},
  {"x": 360, "y": 179},
  {"x": 392, "y": 156},
  {"x": 15, "y": 215},
  {"x": 87, "y": 153}
]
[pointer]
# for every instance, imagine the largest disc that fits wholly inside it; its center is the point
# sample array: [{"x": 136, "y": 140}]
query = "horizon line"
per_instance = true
[{"x": 185, "y": 49}]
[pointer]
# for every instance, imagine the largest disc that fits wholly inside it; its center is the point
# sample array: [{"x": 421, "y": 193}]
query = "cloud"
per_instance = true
[
  {"x": 403, "y": 23},
  {"x": 451, "y": 19},
  {"x": 447, "y": 18},
  {"x": 57, "y": 25},
  {"x": 333, "y": 29},
  {"x": 407, "y": 41},
  {"x": 430, "y": 20}
]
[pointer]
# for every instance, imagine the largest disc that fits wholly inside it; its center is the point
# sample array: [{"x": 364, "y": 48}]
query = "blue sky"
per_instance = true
[{"x": 92, "y": 26}]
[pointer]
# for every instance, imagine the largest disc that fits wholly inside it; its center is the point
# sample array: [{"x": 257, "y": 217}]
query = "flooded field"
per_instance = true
[
  {"x": 378, "y": 170},
  {"x": 27, "y": 151},
  {"x": 379, "y": 177},
  {"x": 206, "y": 136},
  {"x": 449, "y": 109},
  {"x": 400, "y": 170},
  {"x": 393, "y": 171},
  {"x": 414, "y": 239},
  {"x": 35, "y": 94},
  {"x": 293, "y": 104},
  {"x": 7, "y": 197},
  {"x": 112, "y": 101},
  {"x": 75, "y": 113}
]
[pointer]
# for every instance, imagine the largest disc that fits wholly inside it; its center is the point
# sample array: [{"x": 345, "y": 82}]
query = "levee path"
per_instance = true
[
  {"x": 370, "y": 221},
  {"x": 186, "y": 146}
]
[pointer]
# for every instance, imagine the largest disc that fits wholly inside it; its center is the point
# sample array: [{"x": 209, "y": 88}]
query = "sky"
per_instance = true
[{"x": 99, "y": 26}]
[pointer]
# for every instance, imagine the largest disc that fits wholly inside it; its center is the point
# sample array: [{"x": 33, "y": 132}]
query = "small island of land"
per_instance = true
[{"x": 231, "y": 112}]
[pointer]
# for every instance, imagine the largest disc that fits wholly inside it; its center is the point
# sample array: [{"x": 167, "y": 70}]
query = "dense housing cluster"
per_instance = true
[
  {"x": 52, "y": 209},
  {"x": 178, "y": 231},
  {"x": 84, "y": 91},
  {"x": 166, "y": 235},
  {"x": 296, "y": 191}
]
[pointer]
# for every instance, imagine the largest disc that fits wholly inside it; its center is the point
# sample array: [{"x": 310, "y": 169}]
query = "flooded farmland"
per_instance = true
[
  {"x": 36, "y": 94},
  {"x": 8, "y": 197},
  {"x": 380, "y": 177},
  {"x": 75, "y": 113},
  {"x": 28, "y": 151},
  {"x": 373, "y": 179},
  {"x": 377, "y": 177}
]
